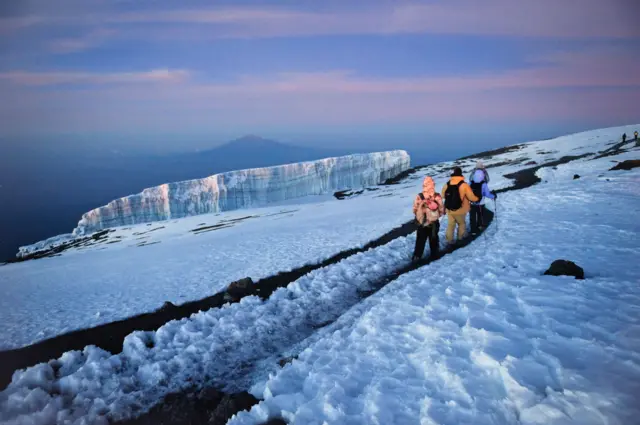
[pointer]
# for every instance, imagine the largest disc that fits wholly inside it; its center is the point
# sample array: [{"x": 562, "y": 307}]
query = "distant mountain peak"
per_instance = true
[{"x": 252, "y": 138}]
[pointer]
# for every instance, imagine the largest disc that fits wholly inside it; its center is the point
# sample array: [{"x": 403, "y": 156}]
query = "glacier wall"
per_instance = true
[{"x": 249, "y": 188}]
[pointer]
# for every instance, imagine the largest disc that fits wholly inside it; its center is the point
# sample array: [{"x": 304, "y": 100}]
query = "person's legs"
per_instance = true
[
  {"x": 434, "y": 240},
  {"x": 451, "y": 226},
  {"x": 460, "y": 219},
  {"x": 475, "y": 218},
  {"x": 481, "y": 215},
  {"x": 421, "y": 239}
]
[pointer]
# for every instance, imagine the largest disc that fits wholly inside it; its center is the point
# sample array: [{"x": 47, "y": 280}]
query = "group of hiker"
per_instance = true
[
  {"x": 456, "y": 200},
  {"x": 635, "y": 137}
]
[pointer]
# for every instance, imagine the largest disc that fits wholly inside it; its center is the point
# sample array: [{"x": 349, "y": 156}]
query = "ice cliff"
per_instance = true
[{"x": 245, "y": 189}]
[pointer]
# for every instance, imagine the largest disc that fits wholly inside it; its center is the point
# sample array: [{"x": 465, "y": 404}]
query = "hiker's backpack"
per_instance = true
[
  {"x": 452, "y": 199},
  {"x": 430, "y": 209},
  {"x": 477, "y": 189}
]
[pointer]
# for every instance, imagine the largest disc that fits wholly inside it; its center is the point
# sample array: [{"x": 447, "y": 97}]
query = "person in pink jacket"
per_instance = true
[{"x": 428, "y": 207}]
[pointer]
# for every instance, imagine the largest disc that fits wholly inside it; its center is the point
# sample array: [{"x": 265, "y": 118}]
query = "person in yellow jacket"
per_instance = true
[{"x": 457, "y": 196}]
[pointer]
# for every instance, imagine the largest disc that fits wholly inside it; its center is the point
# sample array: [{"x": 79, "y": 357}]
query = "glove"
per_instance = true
[{"x": 495, "y": 195}]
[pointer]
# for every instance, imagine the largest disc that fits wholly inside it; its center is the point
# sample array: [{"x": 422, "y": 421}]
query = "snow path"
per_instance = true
[{"x": 499, "y": 345}]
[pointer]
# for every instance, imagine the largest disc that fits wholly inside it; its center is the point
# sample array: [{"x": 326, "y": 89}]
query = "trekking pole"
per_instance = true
[{"x": 495, "y": 212}]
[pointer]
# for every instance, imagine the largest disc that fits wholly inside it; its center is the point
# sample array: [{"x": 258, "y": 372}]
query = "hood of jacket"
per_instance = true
[
  {"x": 428, "y": 187},
  {"x": 478, "y": 176}
]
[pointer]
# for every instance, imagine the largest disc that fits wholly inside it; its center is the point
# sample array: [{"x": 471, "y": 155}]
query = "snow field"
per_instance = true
[
  {"x": 217, "y": 347},
  {"x": 83, "y": 289},
  {"x": 481, "y": 336}
]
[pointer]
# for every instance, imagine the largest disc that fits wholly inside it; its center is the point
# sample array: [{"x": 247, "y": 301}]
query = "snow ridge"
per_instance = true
[{"x": 245, "y": 189}]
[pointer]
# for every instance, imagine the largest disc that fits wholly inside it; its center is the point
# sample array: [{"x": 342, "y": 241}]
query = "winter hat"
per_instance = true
[
  {"x": 428, "y": 187},
  {"x": 479, "y": 164},
  {"x": 457, "y": 172}
]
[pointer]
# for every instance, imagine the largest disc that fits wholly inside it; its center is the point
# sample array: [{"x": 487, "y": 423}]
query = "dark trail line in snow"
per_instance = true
[
  {"x": 110, "y": 336},
  {"x": 527, "y": 177},
  {"x": 213, "y": 407},
  {"x": 375, "y": 287}
]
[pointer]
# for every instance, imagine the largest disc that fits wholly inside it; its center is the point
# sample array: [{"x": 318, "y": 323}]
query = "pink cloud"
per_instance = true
[
  {"x": 8, "y": 25},
  {"x": 25, "y": 78},
  {"x": 585, "y": 69},
  {"x": 91, "y": 39},
  {"x": 562, "y": 70},
  {"x": 532, "y": 18},
  {"x": 598, "y": 84},
  {"x": 538, "y": 18},
  {"x": 172, "y": 109}
]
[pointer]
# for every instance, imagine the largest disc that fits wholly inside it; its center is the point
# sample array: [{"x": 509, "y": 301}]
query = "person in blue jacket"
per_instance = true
[{"x": 481, "y": 190}]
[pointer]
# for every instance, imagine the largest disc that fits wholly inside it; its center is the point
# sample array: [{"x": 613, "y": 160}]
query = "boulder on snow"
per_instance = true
[
  {"x": 238, "y": 289},
  {"x": 230, "y": 405},
  {"x": 286, "y": 360},
  {"x": 565, "y": 268},
  {"x": 626, "y": 165},
  {"x": 275, "y": 422},
  {"x": 576, "y": 176},
  {"x": 531, "y": 163},
  {"x": 167, "y": 306}
]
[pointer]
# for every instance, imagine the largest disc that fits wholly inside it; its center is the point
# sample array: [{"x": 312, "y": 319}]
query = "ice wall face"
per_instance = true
[{"x": 245, "y": 189}]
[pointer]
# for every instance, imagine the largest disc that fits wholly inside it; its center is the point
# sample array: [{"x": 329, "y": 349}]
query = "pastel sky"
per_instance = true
[{"x": 193, "y": 67}]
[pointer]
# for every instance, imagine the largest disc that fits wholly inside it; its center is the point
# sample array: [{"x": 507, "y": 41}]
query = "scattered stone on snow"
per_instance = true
[
  {"x": 238, "y": 289},
  {"x": 565, "y": 268}
]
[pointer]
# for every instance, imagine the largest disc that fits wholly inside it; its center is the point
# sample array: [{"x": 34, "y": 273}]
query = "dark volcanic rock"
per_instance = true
[
  {"x": 239, "y": 288},
  {"x": 403, "y": 175},
  {"x": 275, "y": 422},
  {"x": 229, "y": 406},
  {"x": 168, "y": 305},
  {"x": 627, "y": 165},
  {"x": 207, "y": 406},
  {"x": 343, "y": 194},
  {"x": 489, "y": 154},
  {"x": 565, "y": 268},
  {"x": 576, "y": 176},
  {"x": 286, "y": 360}
]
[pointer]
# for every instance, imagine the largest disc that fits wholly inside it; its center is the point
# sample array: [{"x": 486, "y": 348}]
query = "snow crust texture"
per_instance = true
[
  {"x": 245, "y": 189},
  {"x": 481, "y": 336}
]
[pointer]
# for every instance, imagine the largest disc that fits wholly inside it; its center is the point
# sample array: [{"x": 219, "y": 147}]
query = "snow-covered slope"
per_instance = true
[
  {"x": 136, "y": 269},
  {"x": 480, "y": 336},
  {"x": 251, "y": 188}
]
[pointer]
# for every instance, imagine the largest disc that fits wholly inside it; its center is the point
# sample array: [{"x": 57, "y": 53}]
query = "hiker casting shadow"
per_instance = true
[
  {"x": 428, "y": 209},
  {"x": 457, "y": 196}
]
